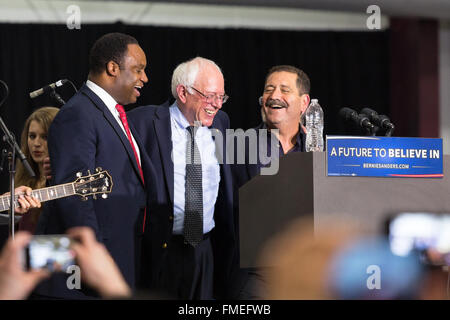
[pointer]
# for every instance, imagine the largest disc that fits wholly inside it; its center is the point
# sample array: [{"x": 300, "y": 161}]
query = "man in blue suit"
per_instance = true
[
  {"x": 90, "y": 131},
  {"x": 191, "y": 246}
]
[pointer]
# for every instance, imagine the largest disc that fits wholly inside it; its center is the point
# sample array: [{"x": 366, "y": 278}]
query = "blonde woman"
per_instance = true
[{"x": 34, "y": 146}]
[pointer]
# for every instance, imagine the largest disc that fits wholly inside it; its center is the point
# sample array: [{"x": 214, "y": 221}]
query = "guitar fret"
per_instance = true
[
  {"x": 44, "y": 194},
  {"x": 41, "y": 192},
  {"x": 35, "y": 194},
  {"x": 68, "y": 188}
]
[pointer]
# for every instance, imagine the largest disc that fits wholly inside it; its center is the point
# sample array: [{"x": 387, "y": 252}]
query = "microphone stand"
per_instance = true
[
  {"x": 389, "y": 131},
  {"x": 57, "y": 97},
  {"x": 12, "y": 173},
  {"x": 9, "y": 138},
  {"x": 373, "y": 131}
]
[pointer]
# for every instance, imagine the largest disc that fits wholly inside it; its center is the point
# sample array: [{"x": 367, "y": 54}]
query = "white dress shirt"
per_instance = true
[{"x": 210, "y": 170}]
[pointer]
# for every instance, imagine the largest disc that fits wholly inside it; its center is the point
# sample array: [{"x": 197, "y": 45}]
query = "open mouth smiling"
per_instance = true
[
  {"x": 275, "y": 104},
  {"x": 210, "y": 112}
]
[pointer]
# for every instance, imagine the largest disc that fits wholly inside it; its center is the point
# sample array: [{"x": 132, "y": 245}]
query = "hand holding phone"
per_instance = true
[{"x": 15, "y": 282}]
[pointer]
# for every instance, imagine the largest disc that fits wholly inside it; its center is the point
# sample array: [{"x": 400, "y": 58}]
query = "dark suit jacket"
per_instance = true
[
  {"x": 85, "y": 135},
  {"x": 154, "y": 127}
]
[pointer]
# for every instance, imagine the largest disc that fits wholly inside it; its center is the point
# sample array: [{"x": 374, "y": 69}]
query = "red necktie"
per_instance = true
[{"x": 123, "y": 118}]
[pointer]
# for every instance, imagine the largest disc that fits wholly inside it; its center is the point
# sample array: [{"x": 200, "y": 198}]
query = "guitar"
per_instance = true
[{"x": 84, "y": 186}]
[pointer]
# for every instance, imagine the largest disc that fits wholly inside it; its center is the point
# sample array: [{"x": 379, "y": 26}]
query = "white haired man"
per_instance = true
[{"x": 190, "y": 243}]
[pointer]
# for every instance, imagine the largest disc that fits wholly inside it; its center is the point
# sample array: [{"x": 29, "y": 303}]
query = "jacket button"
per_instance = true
[{"x": 164, "y": 245}]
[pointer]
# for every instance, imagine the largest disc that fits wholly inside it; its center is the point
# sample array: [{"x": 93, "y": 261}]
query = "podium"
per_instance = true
[{"x": 302, "y": 188}]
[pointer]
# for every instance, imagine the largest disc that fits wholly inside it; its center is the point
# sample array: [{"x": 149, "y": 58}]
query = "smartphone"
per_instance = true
[
  {"x": 427, "y": 233},
  {"x": 51, "y": 252}
]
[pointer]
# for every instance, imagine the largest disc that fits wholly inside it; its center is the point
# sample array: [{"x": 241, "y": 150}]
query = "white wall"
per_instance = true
[{"x": 190, "y": 15}]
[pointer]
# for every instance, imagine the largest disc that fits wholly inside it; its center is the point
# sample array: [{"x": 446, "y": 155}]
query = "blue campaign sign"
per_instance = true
[{"x": 384, "y": 157}]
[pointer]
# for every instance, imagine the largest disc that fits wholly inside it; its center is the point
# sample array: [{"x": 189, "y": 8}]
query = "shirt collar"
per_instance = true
[
  {"x": 107, "y": 99},
  {"x": 181, "y": 121},
  {"x": 178, "y": 117},
  {"x": 299, "y": 140}
]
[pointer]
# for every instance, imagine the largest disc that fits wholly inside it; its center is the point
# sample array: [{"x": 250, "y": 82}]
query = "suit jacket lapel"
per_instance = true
[
  {"x": 220, "y": 140},
  {"x": 163, "y": 133},
  {"x": 113, "y": 122}
]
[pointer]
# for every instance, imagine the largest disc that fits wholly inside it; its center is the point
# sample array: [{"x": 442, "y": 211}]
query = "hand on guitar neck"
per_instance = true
[{"x": 25, "y": 200}]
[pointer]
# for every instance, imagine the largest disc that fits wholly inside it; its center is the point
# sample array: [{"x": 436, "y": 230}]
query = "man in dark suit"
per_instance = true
[
  {"x": 90, "y": 131},
  {"x": 283, "y": 102},
  {"x": 190, "y": 242}
]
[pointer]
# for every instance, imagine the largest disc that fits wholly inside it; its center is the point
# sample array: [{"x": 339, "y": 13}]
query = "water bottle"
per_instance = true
[{"x": 314, "y": 126}]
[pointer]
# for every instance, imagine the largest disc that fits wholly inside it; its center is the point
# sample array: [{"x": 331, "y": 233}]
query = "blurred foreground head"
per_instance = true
[{"x": 337, "y": 263}]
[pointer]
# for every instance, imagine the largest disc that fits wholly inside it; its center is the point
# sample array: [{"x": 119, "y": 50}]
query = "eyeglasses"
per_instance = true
[{"x": 213, "y": 97}]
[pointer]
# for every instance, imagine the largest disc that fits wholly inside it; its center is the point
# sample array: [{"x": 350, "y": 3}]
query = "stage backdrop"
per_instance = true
[{"x": 347, "y": 69}]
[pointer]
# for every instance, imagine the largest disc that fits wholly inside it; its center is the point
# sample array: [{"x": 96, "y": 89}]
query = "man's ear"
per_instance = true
[
  {"x": 182, "y": 93},
  {"x": 112, "y": 68},
  {"x": 304, "y": 102}
]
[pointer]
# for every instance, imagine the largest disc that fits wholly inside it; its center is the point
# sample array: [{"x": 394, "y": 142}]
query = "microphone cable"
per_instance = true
[{"x": 6, "y": 91}]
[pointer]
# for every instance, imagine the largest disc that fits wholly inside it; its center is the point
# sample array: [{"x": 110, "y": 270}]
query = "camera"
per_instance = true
[{"x": 51, "y": 252}]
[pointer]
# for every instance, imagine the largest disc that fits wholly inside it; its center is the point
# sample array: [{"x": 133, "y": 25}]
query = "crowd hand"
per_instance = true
[
  {"x": 98, "y": 269},
  {"x": 47, "y": 169},
  {"x": 25, "y": 200},
  {"x": 15, "y": 282}
]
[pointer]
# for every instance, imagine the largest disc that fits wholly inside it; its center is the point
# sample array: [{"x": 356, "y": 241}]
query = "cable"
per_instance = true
[
  {"x": 73, "y": 86},
  {"x": 6, "y": 90}
]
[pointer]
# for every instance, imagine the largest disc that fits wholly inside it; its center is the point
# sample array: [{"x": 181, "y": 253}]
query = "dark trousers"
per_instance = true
[{"x": 188, "y": 272}]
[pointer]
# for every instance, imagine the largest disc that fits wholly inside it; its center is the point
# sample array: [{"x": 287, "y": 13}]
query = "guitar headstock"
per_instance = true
[{"x": 92, "y": 184}]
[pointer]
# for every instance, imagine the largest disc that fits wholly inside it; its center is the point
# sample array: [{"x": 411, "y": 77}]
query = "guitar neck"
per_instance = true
[{"x": 44, "y": 194}]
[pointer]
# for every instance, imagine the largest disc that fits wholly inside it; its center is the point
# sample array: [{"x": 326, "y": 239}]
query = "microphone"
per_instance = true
[
  {"x": 47, "y": 88},
  {"x": 361, "y": 119},
  {"x": 381, "y": 121}
]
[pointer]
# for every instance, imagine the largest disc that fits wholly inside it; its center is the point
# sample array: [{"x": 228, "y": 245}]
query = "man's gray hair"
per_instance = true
[{"x": 186, "y": 73}]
